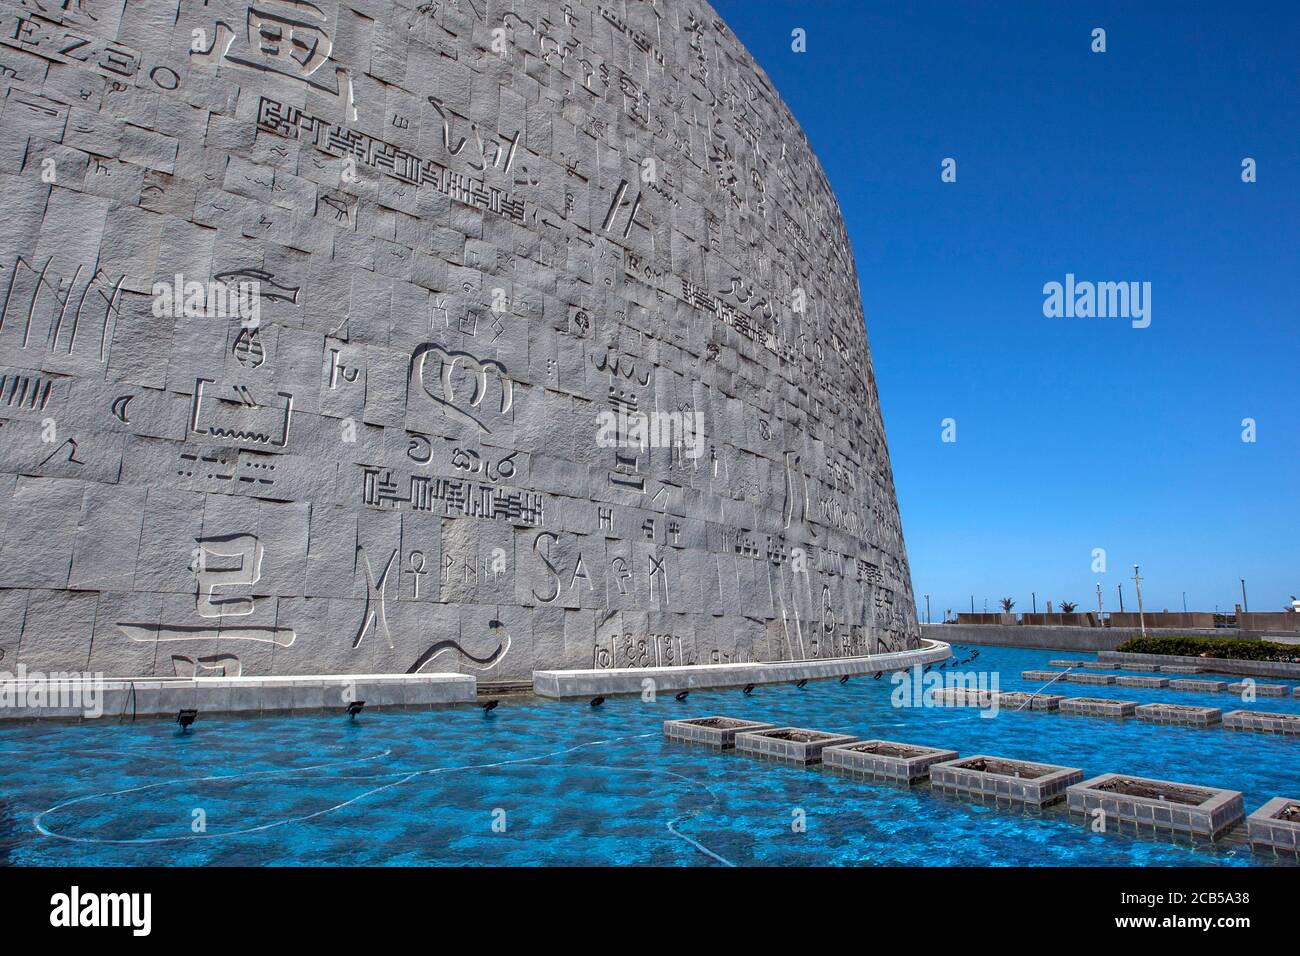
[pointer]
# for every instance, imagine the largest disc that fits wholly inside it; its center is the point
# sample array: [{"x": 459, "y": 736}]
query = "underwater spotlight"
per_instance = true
[
  {"x": 597, "y": 701},
  {"x": 355, "y": 707},
  {"x": 683, "y": 695},
  {"x": 801, "y": 684},
  {"x": 185, "y": 717},
  {"x": 749, "y": 689},
  {"x": 844, "y": 679},
  {"x": 879, "y": 674},
  {"x": 489, "y": 705}
]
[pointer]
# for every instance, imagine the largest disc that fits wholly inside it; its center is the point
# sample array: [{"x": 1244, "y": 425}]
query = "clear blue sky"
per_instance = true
[{"x": 1072, "y": 433}]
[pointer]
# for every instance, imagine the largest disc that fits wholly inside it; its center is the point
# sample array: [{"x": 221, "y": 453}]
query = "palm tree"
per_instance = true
[
  {"x": 1007, "y": 605},
  {"x": 1067, "y": 607}
]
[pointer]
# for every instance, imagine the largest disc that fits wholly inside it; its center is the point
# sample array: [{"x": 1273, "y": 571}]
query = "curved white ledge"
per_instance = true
[{"x": 629, "y": 680}]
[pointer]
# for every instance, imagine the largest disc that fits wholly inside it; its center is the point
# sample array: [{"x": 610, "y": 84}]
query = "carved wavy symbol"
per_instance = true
[
  {"x": 484, "y": 663},
  {"x": 238, "y": 434}
]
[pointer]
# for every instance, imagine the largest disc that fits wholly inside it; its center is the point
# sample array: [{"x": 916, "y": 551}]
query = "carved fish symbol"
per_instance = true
[{"x": 278, "y": 291}]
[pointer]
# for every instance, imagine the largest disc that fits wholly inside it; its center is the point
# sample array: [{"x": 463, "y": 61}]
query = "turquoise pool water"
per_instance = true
[{"x": 568, "y": 784}]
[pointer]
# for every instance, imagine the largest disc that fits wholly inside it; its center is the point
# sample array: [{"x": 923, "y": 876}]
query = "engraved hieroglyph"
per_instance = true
[{"x": 557, "y": 361}]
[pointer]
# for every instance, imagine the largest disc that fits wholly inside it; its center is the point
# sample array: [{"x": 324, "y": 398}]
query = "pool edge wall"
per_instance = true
[
  {"x": 51, "y": 699},
  {"x": 628, "y": 680}
]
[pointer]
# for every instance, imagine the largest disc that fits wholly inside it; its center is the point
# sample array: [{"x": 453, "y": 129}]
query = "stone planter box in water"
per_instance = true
[
  {"x": 788, "y": 745},
  {"x": 1090, "y": 678},
  {"x": 1019, "y": 700},
  {"x": 1261, "y": 690},
  {"x": 962, "y": 697},
  {"x": 1262, "y": 721},
  {"x": 1182, "y": 669},
  {"x": 1098, "y": 707},
  {"x": 1276, "y": 824},
  {"x": 1149, "y": 668},
  {"x": 1060, "y": 663},
  {"x": 1199, "y": 686},
  {"x": 1179, "y": 714},
  {"x": 1003, "y": 779},
  {"x": 884, "y": 760},
  {"x": 1200, "y": 811},
  {"x": 1142, "y": 681},
  {"x": 716, "y": 732},
  {"x": 1040, "y": 675}
]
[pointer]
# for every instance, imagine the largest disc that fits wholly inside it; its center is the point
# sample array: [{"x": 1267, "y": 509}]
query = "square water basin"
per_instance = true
[
  {"x": 1262, "y": 721},
  {"x": 1202, "y": 686},
  {"x": 1201, "y": 811},
  {"x": 788, "y": 745},
  {"x": 1090, "y": 678},
  {"x": 1181, "y": 714},
  {"x": 962, "y": 697},
  {"x": 1261, "y": 690},
  {"x": 1004, "y": 779},
  {"x": 886, "y": 760},
  {"x": 1276, "y": 824},
  {"x": 1019, "y": 700},
  {"x": 1040, "y": 675},
  {"x": 1142, "y": 681},
  {"x": 718, "y": 733},
  {"x": 1098, "y": 707}
]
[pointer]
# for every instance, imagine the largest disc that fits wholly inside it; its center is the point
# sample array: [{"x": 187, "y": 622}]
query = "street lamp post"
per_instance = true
[
  {"x": 1137, "y": 584},
  {"x": 1244, "y": 606},
  {"x": 1120, "y": 589},
  {"x": 927, "y": 609},
  {"x": 1099, "y": 612}
]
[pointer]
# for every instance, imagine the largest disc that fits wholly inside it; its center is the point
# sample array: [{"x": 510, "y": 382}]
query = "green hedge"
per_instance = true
[{"x": 1212, "y": 647}]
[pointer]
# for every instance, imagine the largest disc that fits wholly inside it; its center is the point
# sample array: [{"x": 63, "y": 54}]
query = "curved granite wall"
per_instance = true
[{"x": 374, "y": 336}]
